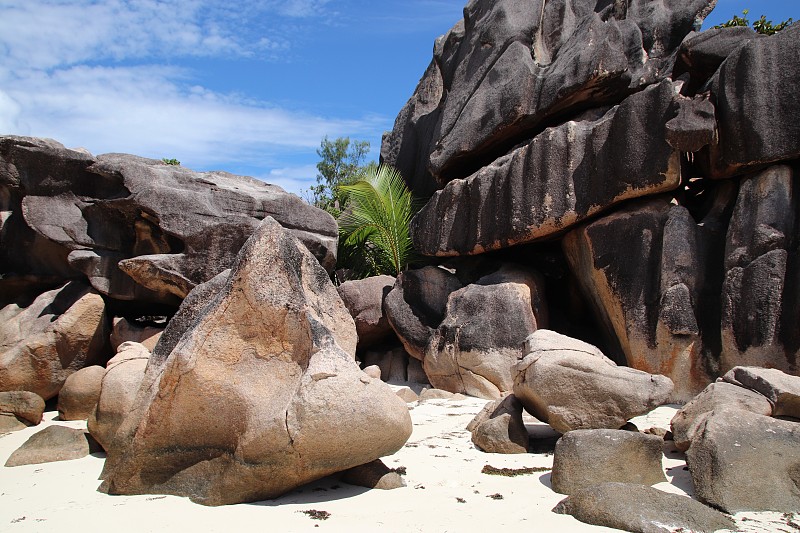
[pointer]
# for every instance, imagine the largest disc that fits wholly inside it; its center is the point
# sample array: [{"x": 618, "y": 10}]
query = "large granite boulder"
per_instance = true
[
  {"x": 757, "y": 105},
  {"x": 714, "y": 398},
  {"x": 587, "y": 457},
  {"x": 564, "y": 175},
  {"x": 364, "y": 299},
  {"x": 641, "y": 509},
  {"x": 781, "y": 389},
  {"x": 80, "y": 393},
  {"x": 20, "y": 409},
  {"x": 571, "y": 385},
  {"x": 513, "y": 67},
  {"x": 654, "y": 305},
  {"x": 416, "y": 305},
  {"x": 482, "y": 335},
  {"x": 137, "y": 228},
  {"x": 760, "y": 292},
  {"x": 60, "y": 332},
  {"x": 53, "y": 443},
  {"x": 499, "y": 427},
  {"x": 257, "y": 397},
  {"x": 702, "y": 53},
  {"x": 742, "y": 461},
  {"x": 118, "y": 390}
]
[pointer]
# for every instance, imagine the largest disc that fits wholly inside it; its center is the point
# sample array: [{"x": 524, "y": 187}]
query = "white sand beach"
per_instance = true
[{"x": 445, "y": 492}]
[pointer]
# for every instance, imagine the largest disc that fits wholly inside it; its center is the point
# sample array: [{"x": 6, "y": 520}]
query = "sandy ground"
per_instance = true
[{"x": 445, "y": 491}]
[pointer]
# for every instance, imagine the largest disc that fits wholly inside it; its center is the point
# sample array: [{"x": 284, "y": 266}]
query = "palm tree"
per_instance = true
[{"x": 376, "y": 221}]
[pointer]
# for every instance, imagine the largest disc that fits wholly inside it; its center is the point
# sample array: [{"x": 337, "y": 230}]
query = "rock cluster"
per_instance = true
[
  {"x": 89, "y": 242},
  {"x": 661, "y": 159},
  {"x": 740, "y": 456}
]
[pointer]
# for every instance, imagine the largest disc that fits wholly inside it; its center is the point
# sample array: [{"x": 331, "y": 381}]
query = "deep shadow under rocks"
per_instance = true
[{"x": 322, "y": 491}]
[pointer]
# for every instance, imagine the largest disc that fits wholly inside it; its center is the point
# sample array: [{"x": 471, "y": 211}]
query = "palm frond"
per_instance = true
[{"x": 380, "y": 210}]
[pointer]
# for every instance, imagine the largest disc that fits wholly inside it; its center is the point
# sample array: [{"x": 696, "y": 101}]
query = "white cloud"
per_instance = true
[
  {"x": 94, "y": 74},
  {"x": 9, "y": 112},
  {"x": 301, "y": 8},
  {"x": 52, "y": 33},
  {"x": 296, "y": 180},
  {"x": 147, "y": 111}
]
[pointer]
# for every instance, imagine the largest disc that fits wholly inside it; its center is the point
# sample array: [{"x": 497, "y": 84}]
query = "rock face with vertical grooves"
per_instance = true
[
  {"x": 566, "y": 174},
  {"x": 511, "y": 68},
  {"x": 661, "y": 157},
  {"x": 482, "y": 335},
  {"x": 757, "y": 103},
  {"x": 257, "y": 397}
]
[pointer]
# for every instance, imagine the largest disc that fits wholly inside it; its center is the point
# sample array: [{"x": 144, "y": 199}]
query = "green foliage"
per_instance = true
[
  {"x": 172, "y": 161},
  {"x": 340, "y": 164},
  {"x": 762, "y": 25},
  {"x": 374, "y": 230}
]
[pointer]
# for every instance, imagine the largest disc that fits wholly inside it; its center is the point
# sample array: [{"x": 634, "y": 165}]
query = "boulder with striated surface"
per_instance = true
[
  {"x": 714, "y": 398},
  {"x": 60, "y": 332},
  {"x": 742, "y": 461},
  {"x": 587, "y": 457},
  {"x": 760, "y": 292},
  {"x": 257, "y": 397},
  {"x": 571, "y": 385},
  {"x": 482, "y": 334},
  {"x": 136, "y": 228},
  {"x": 755, "y": 90},
  {"x": 563, "y": 176},
  {"x": 511, "y": 68},
  {"x": 118, "y": 391}
]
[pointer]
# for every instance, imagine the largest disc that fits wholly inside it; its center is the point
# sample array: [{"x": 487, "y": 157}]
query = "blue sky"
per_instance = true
[{"x": 250, "y": 89}]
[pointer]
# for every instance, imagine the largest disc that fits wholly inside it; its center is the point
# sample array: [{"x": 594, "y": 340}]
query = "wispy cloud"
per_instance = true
[{"x": 99, "y": 74}]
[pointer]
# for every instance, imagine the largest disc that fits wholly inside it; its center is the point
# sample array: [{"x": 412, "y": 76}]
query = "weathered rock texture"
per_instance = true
[
  {"x": 511, "y": 68},
  {"x": 782, "y": 390},
  {"x": 136, "y": 228},
  {"x": 677, "y": 150},
  {"x": 641, "y": 509},
  {"x": 364, "y": 299},
  {"x": 257, "y": 397},
  {"x": 53, "y": 443},
  {"x": 80, "y": 393},
  {"x": 648, "y": 302},
  {"x": 715, "y": 398},
  {"x": 416, "y": 305},
  {"x": 587, "y": 457},
  {"x": 744, "y": 461},
  {"x": 118, "y": 391},
  {"x": 571, "y": 385},
  {"x": 755, "y": 90},
  {"x": 482, "y": 334},
  {"x": 20, "y": 409},
  {"x": 555, "y": 181},
  {"x": 60, "y": 332},
  {"x": 760, "y": 292},
  {"x": 499, "y": 427}
]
